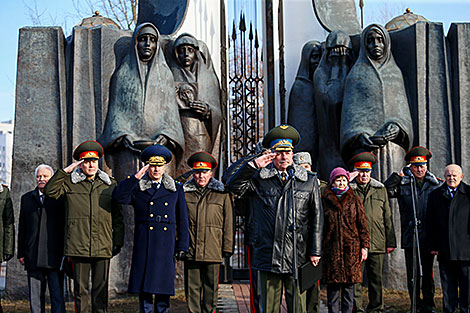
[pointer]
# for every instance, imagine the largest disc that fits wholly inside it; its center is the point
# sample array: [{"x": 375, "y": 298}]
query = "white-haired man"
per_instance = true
[
  {"x": 41, "y": 242},
  {"x": 448, "y": 231}
]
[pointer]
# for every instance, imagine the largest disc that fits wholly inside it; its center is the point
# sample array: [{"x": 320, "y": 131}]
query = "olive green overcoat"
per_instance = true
[
  {"x": 93, "y": 221},
  {"x": 7, "y": 223},
  {"x": 210, "y": 221},
  {"x": 379, "y": 216}
]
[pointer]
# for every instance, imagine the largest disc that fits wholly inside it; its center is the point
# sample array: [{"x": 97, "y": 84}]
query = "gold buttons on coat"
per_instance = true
[
  {"x": 165, "y": 229},
  {"x": 166, "y": 203},
  {"x": 128, "y": 177},
  {"x": 165, "y": 216},
  {"x": 151, "y": 227},
  {"x": 151, "y": 203},
  {"x": 151, "y": 214}
]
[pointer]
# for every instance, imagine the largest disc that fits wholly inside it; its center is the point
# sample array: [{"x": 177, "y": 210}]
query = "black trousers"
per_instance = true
[
  {"x": 425, "y": 284},
  {"x": 340, "y": 298},
  {"x": 455, "y": 280}
]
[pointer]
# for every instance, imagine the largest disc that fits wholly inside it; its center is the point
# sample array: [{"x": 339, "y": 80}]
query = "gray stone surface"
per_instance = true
[
  {"x": 92, "y": 57},
  {"x": 337, "y": 15},
  {"x": 459, "y": 44},
  {"x": 424, "y": 64},
  {"x": 39, "y": 120}
]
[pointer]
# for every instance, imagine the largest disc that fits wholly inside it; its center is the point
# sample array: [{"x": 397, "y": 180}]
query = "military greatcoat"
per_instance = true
[{"x": 161, "y": 228}]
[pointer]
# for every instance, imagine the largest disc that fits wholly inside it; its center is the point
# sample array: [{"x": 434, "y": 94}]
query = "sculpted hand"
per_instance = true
[
  {"x": 390, "y": 249},
  {"x": 364, "y": 253},
  {"x": 200, "y": 107},
  {"x": 142, "y": 172},
  {"x": 367, "y": 143},
  {"x": 72, "y": 166},
  {"x": 315, "y": 259},
  {"x": 265, "y": 159},
  {"x": 161, "y": 140},
  {"x": 386, "y": 134}
]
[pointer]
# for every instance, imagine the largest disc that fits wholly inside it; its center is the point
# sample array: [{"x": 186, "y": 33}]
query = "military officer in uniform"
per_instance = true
[
  {"x": 94, "y": 228},
  {"x": 210, "y": 233},
  {"x": 382, "y": 234},
  {"x": 399, "y": 186},
  {"x": 161, "y": 228},
  {"x": 7, "y": 232},
  {"x": 268, "y": 182}
]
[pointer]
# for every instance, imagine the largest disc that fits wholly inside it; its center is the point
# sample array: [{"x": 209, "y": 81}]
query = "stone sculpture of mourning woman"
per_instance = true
[
  {"x": 197, "y": 95},
  {"x": 329, "y": 79},
  {"x": 302, "y": 113},
  {"x": 375, "y": 115},
  {"x": 142, "y": 105}
]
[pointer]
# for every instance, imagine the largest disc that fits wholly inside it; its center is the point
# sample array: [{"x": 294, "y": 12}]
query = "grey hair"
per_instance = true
[{"x": 43, "y": 166}]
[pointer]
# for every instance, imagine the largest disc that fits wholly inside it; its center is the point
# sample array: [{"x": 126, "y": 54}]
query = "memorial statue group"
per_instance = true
[{"x": 73, "y": 219}]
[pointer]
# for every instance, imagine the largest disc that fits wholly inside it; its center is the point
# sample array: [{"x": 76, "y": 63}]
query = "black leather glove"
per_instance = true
[
  {"x": 226, "y": 254},
  {"x": 7, "y": 257},
  {"x": 180, "y": 256},
  {"x": 116, "y": 250}
]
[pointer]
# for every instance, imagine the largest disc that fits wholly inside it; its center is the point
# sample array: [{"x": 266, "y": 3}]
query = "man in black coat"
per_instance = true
[
  {"x": 448, "y": 233},
  {"x": 400, "y": 186},
  {"x": 273, "y": 185},
  {"x": 41, "y": 242}
]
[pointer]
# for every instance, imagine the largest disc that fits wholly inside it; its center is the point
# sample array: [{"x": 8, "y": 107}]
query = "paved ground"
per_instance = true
[{"x": 236, "y": 299}]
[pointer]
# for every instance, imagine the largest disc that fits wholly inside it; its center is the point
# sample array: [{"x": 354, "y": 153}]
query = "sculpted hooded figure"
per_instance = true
[
  {"x": 375, "y": 114},
  {"x": 302, "y": 113},
  {"x": 142, "y": 106},
  {"x": 329, "y": 79},
  {"x": 197, "y": 94}
]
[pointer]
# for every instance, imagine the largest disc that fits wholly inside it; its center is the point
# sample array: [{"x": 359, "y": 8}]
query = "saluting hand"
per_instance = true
[
  {"x": 72, "y": 166},
  {"x": 265, "y": 159},
  {"x": 142, "y": 172}
]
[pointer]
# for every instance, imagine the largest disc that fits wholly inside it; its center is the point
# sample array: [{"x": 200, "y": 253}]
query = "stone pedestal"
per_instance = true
[{"x": 40, "y": 120}]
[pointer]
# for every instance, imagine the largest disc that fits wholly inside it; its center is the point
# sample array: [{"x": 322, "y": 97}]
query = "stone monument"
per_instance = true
[
  {"x": 197, "y": 95},
  {"x": 302, "y": 108},
  {"x": 142, "y": 106},
  {"x": 329, "y": 82}
]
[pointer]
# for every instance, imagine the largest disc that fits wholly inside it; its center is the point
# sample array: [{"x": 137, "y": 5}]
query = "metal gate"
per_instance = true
[{"x": 246, "y": 106}]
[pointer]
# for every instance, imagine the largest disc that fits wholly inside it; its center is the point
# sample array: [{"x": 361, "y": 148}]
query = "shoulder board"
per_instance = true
[
  {"x": 440, "y": 179},
  {"x": 4, "y": 185},
  {"x": 178, "y": 183}
]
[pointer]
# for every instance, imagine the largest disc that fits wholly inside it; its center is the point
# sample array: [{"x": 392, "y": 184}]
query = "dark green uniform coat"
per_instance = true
[
  {"x": 210, "y": 221},
  {"x": 379, "y": 216},
  {"x": 93, "y": 221},
  {"x": 7, "y": 228}
]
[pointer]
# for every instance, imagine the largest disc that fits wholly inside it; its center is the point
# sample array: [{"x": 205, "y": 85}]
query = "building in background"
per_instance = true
[{"x": 6, "y": 151}]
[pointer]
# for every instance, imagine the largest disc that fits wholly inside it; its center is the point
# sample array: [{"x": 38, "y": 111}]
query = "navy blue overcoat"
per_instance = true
[{"x": 161, "y": 228}]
